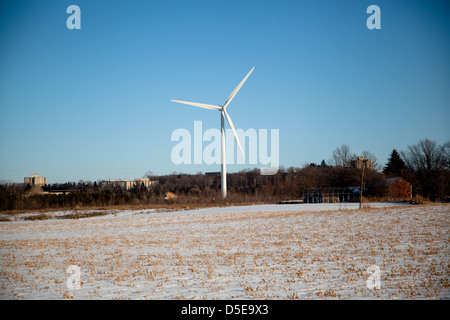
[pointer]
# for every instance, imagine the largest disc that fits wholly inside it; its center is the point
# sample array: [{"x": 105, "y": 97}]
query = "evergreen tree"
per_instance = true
[{"x": 395, "y": 165}]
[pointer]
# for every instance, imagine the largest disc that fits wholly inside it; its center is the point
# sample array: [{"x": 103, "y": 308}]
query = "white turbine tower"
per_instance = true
[{"x": 223, "y": 113}]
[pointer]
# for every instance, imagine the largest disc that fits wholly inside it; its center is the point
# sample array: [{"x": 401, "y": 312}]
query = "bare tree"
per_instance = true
[
  {"x": 341, "y": 157},
  {"x": 370, "y": 156},
  {"x": 429, "y": 164},
  {"x": 426, "y": 156}
]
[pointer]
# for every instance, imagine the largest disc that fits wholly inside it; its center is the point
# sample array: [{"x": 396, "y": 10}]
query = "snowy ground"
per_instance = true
[
  {"x": 255, "y": 208},
  {"x": 315, "y": 251}
]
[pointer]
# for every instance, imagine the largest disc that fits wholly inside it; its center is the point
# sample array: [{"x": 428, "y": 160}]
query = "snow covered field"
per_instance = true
[{"x": 302, "y": 251}]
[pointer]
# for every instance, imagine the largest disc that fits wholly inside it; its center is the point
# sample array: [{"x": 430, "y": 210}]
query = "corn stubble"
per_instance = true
[{"x": 275, "y": 255}]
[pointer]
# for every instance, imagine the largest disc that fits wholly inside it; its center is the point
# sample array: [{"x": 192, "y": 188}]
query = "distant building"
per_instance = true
[
  {"x": 170, "y": 195},
  {"x": 145, "y": 181},
  {"x": 358, "y": 163},
  {"x": 128, "y": 184},
  {"x": 122, "y": 183},
  {"x": 35, "y": 180},
  {"x": 398, "y": 189}
]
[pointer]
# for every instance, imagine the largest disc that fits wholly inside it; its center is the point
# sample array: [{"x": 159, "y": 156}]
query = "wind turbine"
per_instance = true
[{"x": 224, "y": 114}]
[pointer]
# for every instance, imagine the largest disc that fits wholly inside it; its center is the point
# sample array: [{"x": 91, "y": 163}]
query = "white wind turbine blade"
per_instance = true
[
  {"x": 234, "y": 132},
  {"x": 201, "y": 105},
  {"x": 237, "y": 89}
]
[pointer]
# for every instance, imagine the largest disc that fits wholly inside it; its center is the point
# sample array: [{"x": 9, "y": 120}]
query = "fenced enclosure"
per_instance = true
[{"x": 330, "y": 195}]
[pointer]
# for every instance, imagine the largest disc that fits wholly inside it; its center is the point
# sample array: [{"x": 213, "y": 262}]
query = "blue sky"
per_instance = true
[{"x": 94, "y": 103}]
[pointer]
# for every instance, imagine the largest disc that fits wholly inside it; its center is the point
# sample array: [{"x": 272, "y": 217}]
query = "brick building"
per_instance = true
[{"x": 398, "y": 189}]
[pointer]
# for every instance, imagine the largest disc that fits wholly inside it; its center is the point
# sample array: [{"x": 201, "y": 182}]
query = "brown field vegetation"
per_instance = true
[{"x": 257, "y": 255}]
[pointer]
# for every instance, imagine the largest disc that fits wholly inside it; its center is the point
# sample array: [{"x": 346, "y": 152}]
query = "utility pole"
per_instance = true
[{"x": 362, "y": 182}]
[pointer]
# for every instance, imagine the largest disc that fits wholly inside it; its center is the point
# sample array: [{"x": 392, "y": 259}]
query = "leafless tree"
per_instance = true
[
  {"x": 370, "y": 156},
  {"x": 426, "y": 156},
  {"x": 341, "y": 157},
  {"x": 429, "y": 164}
]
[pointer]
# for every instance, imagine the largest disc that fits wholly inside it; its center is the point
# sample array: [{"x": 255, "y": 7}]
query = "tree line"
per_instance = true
[{"x": 425, "y": 165}]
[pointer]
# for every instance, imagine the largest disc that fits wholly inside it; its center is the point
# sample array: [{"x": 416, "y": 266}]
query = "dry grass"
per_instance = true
[
  {"x": 93, "y": 211},
  {"x": 264, "y": 255}
]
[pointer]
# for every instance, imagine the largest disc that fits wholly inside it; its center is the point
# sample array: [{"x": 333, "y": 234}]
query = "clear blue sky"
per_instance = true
[{"x": 93, "y": 104}]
